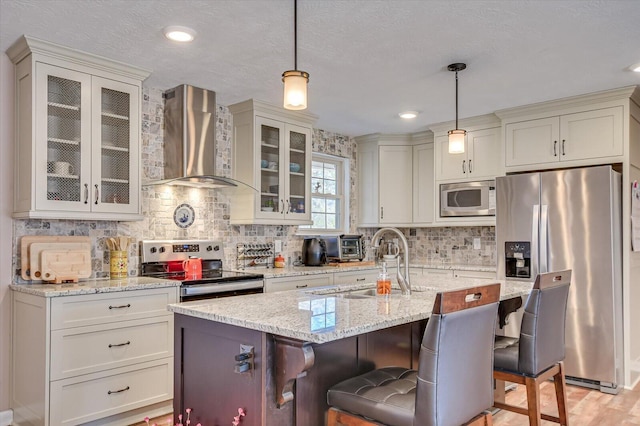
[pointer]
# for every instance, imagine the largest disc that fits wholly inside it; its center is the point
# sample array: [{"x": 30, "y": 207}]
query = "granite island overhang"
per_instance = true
[{"x": 301, "y": 343}]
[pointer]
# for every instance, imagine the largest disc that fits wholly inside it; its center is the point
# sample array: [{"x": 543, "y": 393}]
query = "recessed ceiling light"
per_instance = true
[
  {"x": 178, "y": 33},
  {"x": 635, "y": 68},
  {"x": 407, "y": 115}
]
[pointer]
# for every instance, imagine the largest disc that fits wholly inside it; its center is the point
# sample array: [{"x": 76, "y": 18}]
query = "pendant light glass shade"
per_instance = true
[
  {"x": 457, "y": 136},
  {"x": 295, "y": 81},
  {"x": 456, "y": 141},
  {"x": 295, "y": 89}
]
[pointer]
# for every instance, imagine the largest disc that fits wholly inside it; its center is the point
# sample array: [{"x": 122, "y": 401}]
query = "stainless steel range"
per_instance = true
[{"x": 164, "y": 259}]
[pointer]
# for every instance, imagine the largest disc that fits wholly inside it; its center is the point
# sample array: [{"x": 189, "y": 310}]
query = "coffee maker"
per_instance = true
[{"x": 517, "y": 259}]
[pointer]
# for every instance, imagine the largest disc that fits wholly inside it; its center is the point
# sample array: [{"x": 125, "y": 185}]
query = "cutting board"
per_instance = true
[
  {"x": 65, "y": 265},
  {"x": 25, "y": 245},
  {"x": 36, "y": 249}
]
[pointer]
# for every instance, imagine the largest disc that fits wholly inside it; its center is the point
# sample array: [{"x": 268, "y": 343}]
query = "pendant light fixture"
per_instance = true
[
  {"x": 457, "y": 136},
  {"x": 295, "y": 81}
]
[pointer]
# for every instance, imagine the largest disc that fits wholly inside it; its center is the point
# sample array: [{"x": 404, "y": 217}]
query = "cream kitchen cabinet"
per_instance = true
[
  {"x": 297, "y": 282},
  {"x": 385, "y": 180},
  {"x": 423, "y": 184},
  {"x": 112, "y": 351},
  {"x": 356, "y": 277},
  {"x": 271, "y": 153},
  {"x": 78, "y": 134},
  {"x": 479, "y": 161},
  {"x": 596, "y": 134}
]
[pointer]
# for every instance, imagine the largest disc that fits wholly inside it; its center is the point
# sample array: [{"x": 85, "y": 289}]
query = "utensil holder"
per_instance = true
[{"x": 119, "y": 264}]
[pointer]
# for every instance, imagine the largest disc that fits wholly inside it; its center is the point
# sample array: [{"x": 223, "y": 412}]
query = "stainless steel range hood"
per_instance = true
[{"x": 190, "y": 140}]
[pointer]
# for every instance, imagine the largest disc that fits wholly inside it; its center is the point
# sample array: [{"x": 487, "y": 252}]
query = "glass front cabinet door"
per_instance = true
[
  {"x": 283, "y": 163},
  {"x": 87, "y": 155},
  {"x": 78, "y": 119}
]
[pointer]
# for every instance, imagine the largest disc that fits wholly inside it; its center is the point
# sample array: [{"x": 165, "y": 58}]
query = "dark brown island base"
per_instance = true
[{"x": 300, "y": 344}]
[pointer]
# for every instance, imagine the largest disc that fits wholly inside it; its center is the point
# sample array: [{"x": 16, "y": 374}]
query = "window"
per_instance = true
[{"x": 329, "y": 192}]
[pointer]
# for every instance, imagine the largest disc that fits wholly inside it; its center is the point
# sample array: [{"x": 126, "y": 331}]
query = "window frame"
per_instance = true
[{"x": 342, "y": 184}]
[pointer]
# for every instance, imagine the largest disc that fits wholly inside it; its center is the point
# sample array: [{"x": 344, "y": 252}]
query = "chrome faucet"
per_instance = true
[{"x": 405, "y": 285}]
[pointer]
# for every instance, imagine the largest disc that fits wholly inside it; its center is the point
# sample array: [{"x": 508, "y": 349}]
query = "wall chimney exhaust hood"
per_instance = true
[{"x": 189, "y": 140}]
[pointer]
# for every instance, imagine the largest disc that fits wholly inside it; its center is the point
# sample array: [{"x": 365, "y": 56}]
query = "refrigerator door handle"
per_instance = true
[
  {"x": 544, "y": 237},
  {"x": 535, "y": 235}
]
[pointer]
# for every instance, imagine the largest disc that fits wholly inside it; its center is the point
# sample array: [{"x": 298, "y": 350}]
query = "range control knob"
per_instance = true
[
  {"x": 162, "y": 249},
  {"x": 216, "y": 248},
  {"x": 209, "y": 248},
  {"x": 153, "y": 250}
]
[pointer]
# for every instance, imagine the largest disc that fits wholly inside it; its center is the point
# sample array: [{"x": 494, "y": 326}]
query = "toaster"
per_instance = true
[{"x": 344, "y": 248}]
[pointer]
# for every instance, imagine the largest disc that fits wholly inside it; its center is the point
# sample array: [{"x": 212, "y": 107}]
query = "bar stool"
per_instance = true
[
  {"x": 537, "y": 355},
  {"x": 453, "y": 384}
]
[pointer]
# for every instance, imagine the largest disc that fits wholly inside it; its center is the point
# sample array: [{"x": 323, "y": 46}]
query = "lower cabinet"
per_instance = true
[
  {"x": 84, "y": 358},
  {"x": 297, "y": 282},
  {"x": 355, "y": 277}
]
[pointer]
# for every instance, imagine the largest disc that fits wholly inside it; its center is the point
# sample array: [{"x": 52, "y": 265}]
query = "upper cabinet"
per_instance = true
[
  {"x": 579, "y": 131},
  {"x": 479, "y": 160},
  {"x": 395, "y": 179},
  {"x": 581, "y": 136},
  {"x": 271, "y": 153},
  {"x": 78, "y": 134}
]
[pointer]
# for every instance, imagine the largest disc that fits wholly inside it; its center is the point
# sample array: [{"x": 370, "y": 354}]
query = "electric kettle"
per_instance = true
[{"x": 314, "y": 252}]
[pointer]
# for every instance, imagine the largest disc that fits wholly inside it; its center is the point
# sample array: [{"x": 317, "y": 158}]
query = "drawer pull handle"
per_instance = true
[
  {"x": 360, "y": 279},
  {"x": 115, "y": 345},
  {"x": 302, "y": 286},
  {"x": 118, "y": 391},
  {"x": 128, "y": 305}
]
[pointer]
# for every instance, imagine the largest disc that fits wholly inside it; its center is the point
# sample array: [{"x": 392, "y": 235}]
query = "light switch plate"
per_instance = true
[{"x": 476, "y": 244}]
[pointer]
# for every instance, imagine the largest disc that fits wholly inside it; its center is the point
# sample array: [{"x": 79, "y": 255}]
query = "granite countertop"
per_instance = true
[
  {"x": 294, "y": 271},
  {"x": 309, "y": 314},
  {"x": 93, "y": 286}
]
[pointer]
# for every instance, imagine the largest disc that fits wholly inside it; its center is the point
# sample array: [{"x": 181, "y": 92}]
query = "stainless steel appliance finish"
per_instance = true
[
  {"x": 344, "y": 248},
  {"x": 571, "y": 218},
  {"x": 190, "y": 140},
  {"x": 163, "y": 259},
  {"x": 468, "y": 199}
]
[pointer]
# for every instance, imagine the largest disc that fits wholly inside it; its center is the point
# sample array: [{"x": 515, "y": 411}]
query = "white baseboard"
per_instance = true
[{"x": 6, "y": 417}]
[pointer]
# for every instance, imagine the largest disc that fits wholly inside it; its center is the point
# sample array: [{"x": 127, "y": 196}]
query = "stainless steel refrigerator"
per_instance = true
[{"x": 570, "y": 219}]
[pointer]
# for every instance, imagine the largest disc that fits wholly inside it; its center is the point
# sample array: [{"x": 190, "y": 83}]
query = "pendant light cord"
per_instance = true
[
  {"x": 295, "y": 35},
  {"x": 456, "y": 100}
]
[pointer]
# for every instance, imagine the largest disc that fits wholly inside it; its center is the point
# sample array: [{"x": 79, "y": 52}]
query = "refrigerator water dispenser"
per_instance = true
[{"x": 517, "y": 256}]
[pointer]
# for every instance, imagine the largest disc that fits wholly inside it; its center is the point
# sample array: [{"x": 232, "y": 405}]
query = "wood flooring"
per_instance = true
[{"x": 586, "y": 407}]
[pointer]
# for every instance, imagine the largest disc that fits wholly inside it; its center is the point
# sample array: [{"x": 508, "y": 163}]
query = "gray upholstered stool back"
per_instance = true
[
  {"x": 455, "y": 375},
  {"x": 541, "y": 342}
]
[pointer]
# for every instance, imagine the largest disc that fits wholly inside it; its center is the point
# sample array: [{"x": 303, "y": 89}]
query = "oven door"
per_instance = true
[
  {"x": 217, "y": 290},
  {"x": 468, "y": 199}
]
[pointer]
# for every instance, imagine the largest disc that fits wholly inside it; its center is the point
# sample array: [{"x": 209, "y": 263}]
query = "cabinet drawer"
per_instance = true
[
  {"x": 89, "y": 349},
  {"x": 474, "y": 274},
  {"x": 434, "y": 272},
  {"x": 355, "y": 277},
  {"x": 95, "y": 309},
  {"x": 85, "y": 398},
  {"x": 299, "y": 282}
]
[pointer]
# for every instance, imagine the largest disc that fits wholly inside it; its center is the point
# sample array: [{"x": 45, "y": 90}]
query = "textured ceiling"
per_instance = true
[{"x": 368, "y": 59}]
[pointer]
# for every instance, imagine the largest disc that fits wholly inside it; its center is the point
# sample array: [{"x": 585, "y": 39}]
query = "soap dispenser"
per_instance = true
[{"x": 384, "y": 282}]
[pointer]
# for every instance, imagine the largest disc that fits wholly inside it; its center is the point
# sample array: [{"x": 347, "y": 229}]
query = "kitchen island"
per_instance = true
[{"x": 301, "y": 343}]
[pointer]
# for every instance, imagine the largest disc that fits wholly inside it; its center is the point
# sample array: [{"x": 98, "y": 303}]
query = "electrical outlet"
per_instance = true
[
  {"x": 277, "y": 246},
  {"x": 476, "y": 244}
]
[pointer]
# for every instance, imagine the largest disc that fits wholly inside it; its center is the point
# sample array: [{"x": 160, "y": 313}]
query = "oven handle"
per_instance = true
[{"x": 220, "y": 288}]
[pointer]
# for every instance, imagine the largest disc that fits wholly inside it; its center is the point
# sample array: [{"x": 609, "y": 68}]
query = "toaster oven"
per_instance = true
[{"x": 344, "y": 248}]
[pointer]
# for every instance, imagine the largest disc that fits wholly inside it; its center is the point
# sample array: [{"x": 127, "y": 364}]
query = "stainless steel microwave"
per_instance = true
[{"x": 468, "y": 199}]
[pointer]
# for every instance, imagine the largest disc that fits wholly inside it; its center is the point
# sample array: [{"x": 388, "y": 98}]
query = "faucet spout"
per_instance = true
[{"x": 405, "y": 285}]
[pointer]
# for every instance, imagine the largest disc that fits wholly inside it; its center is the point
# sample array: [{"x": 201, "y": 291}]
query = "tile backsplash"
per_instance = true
[{"x": 427, "y": 245}]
